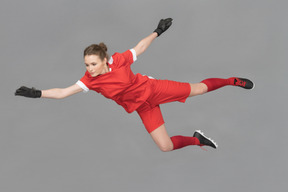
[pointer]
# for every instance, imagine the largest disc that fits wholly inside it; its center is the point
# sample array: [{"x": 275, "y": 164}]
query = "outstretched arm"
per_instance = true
[
  {"x": 55, "y": 93},
  {"x": 163, "y": 25},
  {"x": 58, "y": 93},
  {"x": 144, "y": 44}
]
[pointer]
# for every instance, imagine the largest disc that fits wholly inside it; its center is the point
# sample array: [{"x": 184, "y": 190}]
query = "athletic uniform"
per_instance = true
[
  {"x": 135, "y": 92},
  {"x": 143, "y": 94}
]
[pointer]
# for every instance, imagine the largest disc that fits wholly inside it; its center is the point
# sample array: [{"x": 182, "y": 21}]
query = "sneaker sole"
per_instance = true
[
  {"x": 201, "y": 133},
  {"x": 253, "y": 86}
]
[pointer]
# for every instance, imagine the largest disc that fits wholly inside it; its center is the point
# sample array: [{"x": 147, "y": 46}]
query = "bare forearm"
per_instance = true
[
  {"x": 58, "y": 93},
  {"x": 145, "y": 43},
  {"x": 55, "y": 93}
]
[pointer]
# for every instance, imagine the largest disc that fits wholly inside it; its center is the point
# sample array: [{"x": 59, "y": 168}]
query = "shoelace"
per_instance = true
[
  {"x": 240, "y": 82},
  {"x": 203, "y": 148}
]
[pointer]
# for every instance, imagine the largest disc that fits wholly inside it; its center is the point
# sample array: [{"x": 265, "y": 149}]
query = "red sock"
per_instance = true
[
  {"x": 180, "y": 141},
  {"x": 216, "y": 83}
]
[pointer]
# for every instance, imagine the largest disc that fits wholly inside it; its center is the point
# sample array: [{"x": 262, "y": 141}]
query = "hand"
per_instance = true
[
  {"x": 28, "y": 92},
  {"x": 163, "y": 25}
]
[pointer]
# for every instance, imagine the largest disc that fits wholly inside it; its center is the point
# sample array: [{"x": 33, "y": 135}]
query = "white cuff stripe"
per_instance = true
[
  {"x": 110, "y": 60},
  {"x": 134, "y": 54},
  {"x": 149, "y": 77},
  {"x": 83, "y": 86}
]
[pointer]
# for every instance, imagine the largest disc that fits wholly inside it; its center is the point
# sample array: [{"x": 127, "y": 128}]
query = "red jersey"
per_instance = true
[{"x": 120, "y": 83}]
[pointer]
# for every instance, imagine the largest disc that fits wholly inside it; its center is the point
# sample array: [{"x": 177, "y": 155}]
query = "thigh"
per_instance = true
[
  {"x": 164, "y": 91},
  {"x": 153, "y": 121},
  {"x": 151, "y": 116}
]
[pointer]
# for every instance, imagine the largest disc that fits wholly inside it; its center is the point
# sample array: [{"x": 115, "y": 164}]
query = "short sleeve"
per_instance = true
[
  {"x": 84, "y": 83},
  {"x": 83, "y": 86},
  {"x": 133, "y": 54},
  {"x": 130, "y": 56},
  {"x": 126, "y": 58}
]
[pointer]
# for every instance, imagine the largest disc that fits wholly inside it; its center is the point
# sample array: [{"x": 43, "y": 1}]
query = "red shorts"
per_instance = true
[{"x": 163, "y": 91}]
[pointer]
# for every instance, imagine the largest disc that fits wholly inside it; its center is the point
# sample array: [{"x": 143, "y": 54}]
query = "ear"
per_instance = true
[{"x": 105, "y": 60}]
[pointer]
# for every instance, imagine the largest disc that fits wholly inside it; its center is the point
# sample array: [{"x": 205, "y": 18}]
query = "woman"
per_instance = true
[{"x": 113, "y": 78}]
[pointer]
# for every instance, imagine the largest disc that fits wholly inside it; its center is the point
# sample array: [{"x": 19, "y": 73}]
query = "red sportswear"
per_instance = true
[{"x": 120, "y": 83}]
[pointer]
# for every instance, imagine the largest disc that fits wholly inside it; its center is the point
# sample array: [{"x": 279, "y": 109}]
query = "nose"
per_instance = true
[{"x": 90, "y": 68}]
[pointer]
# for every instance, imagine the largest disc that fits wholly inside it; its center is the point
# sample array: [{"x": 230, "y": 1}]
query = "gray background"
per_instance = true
[{"x": 88, "y": 143}]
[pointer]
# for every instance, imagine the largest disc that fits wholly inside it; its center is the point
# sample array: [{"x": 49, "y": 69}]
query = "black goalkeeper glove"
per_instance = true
[
  {"x": 163, "y": 25},
  {"x": 28, "y": 92}
]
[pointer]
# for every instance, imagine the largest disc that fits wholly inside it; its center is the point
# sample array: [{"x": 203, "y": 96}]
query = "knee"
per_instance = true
[
  {"x": 203, "y": 88},
  {"x": 165, "y": 147},
  {"x": 198, "y": 89}
]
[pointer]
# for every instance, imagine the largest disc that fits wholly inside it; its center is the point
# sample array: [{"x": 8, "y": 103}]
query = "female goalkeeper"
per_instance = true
[{"x": 113, "y": 78}]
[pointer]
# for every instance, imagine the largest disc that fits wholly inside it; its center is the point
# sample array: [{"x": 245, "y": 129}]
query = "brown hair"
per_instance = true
[{"x": 94, "y": 49}]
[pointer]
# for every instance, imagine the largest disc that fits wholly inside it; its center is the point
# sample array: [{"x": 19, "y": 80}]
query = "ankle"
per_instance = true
[{"x": 231, "y": 80}]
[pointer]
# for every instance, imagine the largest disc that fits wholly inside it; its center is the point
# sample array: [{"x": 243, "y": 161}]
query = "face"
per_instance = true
[{"x": 95, "y": 66}]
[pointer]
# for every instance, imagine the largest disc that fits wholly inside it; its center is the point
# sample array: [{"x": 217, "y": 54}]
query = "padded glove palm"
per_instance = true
[
  {"x": 28, "y": 92},
  {"x": 163, "y": 25}
]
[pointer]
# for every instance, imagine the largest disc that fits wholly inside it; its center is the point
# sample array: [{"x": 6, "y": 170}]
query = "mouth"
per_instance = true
[{"x": 94, "y": 74}]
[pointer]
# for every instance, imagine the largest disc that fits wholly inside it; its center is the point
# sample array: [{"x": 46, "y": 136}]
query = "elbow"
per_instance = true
[
  {"x": 141, "y": 47},
  {"x": 61, "y": 95},
  {"x": 56, "y": 97}
]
